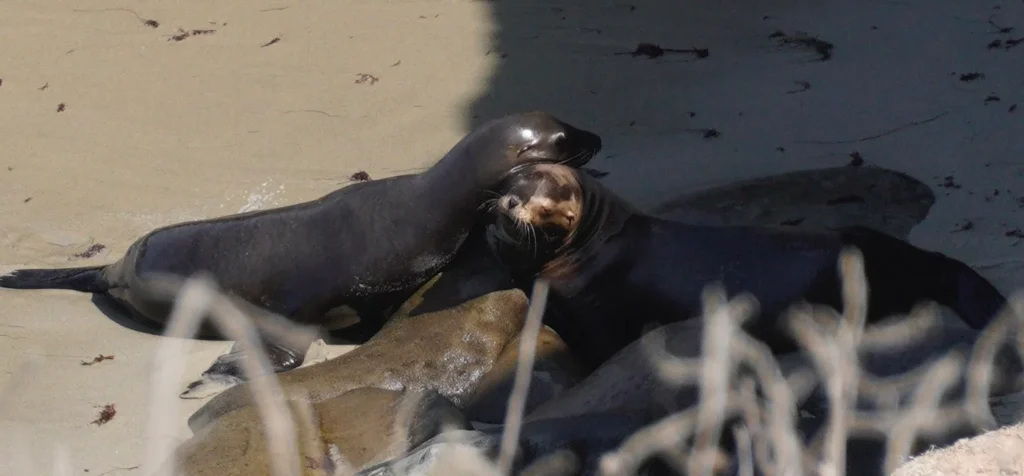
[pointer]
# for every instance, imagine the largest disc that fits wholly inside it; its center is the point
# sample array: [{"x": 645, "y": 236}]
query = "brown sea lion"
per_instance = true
[
  {"x": 366, "y": 426},
  {"x": 449, "y": 351},
  {"x": 572, "y": 445},
  {"x": 614, "y": 270},
  {"x": 555, "y": 370},
  {"x": 365, "y": 246}
]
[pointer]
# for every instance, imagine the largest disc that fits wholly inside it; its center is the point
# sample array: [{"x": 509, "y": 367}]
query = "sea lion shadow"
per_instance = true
[{"x": 123, "y": 317}]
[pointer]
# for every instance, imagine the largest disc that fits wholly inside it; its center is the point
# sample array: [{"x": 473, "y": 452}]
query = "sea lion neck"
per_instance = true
[{"x": 476, "y": 164}]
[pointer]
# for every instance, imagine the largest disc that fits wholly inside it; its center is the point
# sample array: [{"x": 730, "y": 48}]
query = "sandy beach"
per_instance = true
[{"x": 121, "y": 116}]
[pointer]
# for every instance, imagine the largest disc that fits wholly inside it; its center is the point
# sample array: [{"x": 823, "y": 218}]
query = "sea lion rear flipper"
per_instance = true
[{"x": 87, "y": 279}]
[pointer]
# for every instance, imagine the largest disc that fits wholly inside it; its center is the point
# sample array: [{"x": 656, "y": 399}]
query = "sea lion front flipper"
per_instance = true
[{"x": 227, "y": 371}]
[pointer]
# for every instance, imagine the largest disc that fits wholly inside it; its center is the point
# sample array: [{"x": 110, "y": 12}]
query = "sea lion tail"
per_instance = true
[
  {"x": 973, "y": 297},
  {"x": 87, "y": 279}
]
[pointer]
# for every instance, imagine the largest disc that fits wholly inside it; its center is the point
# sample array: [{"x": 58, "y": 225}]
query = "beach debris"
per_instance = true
[
  {"x": 999, "y": 29},
  {"x": 183, "y": 33},
  {"x": 949, "y": 182},
  {"x": 992, "y": 98},
  {"x": 856, "y": 160},
  {"x": 145, "y": 21},
  {"x": 117, "y": 468},
  {"x": 792, "y": 222},
  {"x": 652, "y": 51},
  {"x": 803, "y": 86},
  {"x": 1015, "y": 233},
  {"x": 106, "y": 414},
  {"x": 803, "y": 40},
  {"x": 271, "y": 42},
  {"x": 362, "y": 78},
  {"x": 360, "y": 176},
  {"x": 44, "y": 87},
  {"x": 29, "y": 199},
  {"x": 61, "y": 107},
  {"x": 89, "y": 252},
  {"x": 594, "y": 172},
  {"x": 968, "y": 77},
  {"x": 710, "y": 133},
  {"x": 964, "y": 225},
  {"x": 1012, "y": 108},
  {"x": 878, "y": 135},
  {"x": 99, "y": 358}
]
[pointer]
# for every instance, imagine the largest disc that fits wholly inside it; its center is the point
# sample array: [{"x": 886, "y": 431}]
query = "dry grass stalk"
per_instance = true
[
  {"x": 767, "y": 436},
  {"x": 521, "y": 383},
  {"x": 197, "y": 297}
]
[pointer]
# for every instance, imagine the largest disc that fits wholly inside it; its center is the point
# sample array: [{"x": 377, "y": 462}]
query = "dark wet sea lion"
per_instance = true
[
  {"x": 448, "y": 351},
  {"x": 614, "y": 270},
  {"x": 629, "y": 384},
  {"x": 882, "y": 199},
  {"x": 365, "y": 246},
  {"x": 367, "y": 426}
]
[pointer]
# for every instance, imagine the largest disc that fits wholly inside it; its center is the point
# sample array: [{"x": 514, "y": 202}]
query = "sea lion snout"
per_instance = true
[{"x": 541, "y": 201}]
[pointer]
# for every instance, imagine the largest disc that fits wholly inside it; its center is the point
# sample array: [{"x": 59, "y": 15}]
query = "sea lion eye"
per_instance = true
[{"x": 526, "y": 148}]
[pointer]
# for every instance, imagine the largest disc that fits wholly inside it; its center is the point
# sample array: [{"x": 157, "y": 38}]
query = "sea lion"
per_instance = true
[
  {"x": 582, "y": 439},
  {"x": 882, "y": 199},
  {"x": 614, "y": 270},
  {"x": 448, "y": 351},
  {"x": 555, "y": 370},
  {"x": 366, "y": 425},
  {"x": 366, "y": 246},
  {"x": 629, "y": 383}
]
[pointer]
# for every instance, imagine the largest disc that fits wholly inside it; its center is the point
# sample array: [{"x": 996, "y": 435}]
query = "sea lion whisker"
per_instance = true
[
  {"x": 574, "y": 158},
  {"x": 488, "y": 205}
]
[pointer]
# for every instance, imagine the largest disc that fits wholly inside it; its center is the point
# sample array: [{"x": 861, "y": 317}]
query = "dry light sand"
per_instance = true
[{"x": 154, "y": 131}]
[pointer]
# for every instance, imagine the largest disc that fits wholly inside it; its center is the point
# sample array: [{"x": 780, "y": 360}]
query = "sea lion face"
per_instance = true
[
  {"x": 546, "y": 197},
  {"x": 537, "y": 136}
]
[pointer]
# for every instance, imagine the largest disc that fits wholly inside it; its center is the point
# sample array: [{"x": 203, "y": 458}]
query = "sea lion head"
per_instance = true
[
  {"x": 533, "y": 137},
  {"x": 543, "y": 201},
  {"x": 550, "y": 217}
]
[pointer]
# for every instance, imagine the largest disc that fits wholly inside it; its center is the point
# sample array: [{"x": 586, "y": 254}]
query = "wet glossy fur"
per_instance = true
[
  {"x": 367, "y": 246},
  {"x": 617, "y": 271}
]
